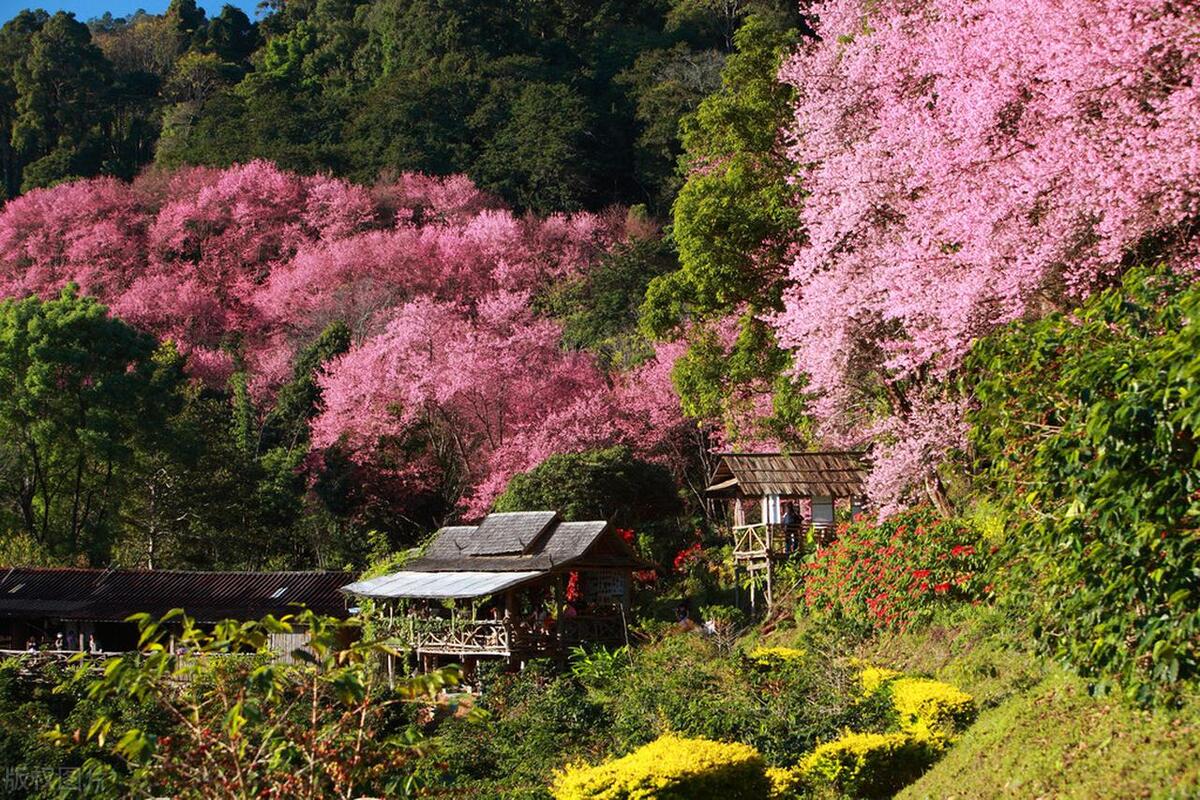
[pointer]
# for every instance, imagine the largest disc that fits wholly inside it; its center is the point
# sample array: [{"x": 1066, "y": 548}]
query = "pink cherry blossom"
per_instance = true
[{"x": 966, "y": 163}]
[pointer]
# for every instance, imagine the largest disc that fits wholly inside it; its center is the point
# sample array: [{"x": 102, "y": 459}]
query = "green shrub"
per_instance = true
[
  {"x": 867, "y": 764},
  {"x": 535, "y": 723},
  {"x": 671, "y": 768},
  {"x": 1087, "y": 425}
]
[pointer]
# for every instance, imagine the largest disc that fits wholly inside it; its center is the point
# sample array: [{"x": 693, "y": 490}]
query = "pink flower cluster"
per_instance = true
[
  {"x": 966, "y": 163},
  {"x": 452, "y": 384}
]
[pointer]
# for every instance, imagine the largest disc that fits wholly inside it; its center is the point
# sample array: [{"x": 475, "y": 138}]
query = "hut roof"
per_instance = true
[
  {"x": 819, "y": 474},
  {"x": 114, "y": 594},
  {"x": 513, "y": 547}
]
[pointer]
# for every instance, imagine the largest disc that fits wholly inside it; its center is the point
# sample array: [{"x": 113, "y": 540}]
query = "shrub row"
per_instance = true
[
  {"x": 671, "y": 767},
  {"x": 929, "y": 714}
]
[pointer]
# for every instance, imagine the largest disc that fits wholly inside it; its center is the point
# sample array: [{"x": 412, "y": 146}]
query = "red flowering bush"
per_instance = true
[
  {"x": 688, "y": 556},
  {"x": 888, "y": 574}
]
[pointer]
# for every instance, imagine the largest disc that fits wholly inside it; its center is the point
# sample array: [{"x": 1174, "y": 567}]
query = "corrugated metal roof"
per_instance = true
[
  {"x": 823, "y": 474},
  {"x": 439, "y": 585},
  {"x": 97, "y": 594}
]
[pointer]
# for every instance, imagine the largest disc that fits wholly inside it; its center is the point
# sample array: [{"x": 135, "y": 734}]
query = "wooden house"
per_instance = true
[
  {"x": 780, "y": 503},
  {"x": 516, "y": 586}
]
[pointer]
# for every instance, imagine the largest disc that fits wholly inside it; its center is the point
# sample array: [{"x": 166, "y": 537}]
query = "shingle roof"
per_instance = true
[
  {"x": 824, "y": 474},
  {"x": 509, "y": 533},
  {"x": 97, "y": 594},
  {"x": 556, "y": 544}
]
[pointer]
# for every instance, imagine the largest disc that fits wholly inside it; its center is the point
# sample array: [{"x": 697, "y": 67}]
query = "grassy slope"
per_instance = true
[
  {"x": 1039, "y": 733},
  {"x": 1055, "y": 740}
]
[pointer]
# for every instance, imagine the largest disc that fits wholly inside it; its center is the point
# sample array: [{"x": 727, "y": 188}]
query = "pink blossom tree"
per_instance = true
[
  {"x": 966, "y": 163},
  {"x": 454, "y": 383},
  {"x": 485, "y": 391}
]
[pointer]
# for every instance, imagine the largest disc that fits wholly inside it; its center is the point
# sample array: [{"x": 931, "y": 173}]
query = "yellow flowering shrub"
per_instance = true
[
  {"x": 670, "y": 768},
  {"x": 768, "y": 657},
  {"x": 931, "y": 710},
  {"x": 866, "y": 764},
  {"x": 872, "y": 678},
  {"x": 786, "y": 784}
]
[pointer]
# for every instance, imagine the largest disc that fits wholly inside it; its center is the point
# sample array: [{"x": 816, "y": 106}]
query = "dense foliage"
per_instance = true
[
  {"x": 249, "y": 726},
  {"x": 897, "y": 572},
  {"x": 734, "y": 219},
  {"x": 557, "y": 106},
  {"x": 600, "y": 484},
  {"x": 386, "y": 355},
  {"x": 84, "y": 406},
  {"x": 1088, "y": 423}
]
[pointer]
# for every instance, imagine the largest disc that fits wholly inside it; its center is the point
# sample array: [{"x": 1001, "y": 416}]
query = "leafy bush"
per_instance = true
[
  {"x": 866, "y": 764},
  {"x": 684, "y": 685},
  {"x": 598, "y": 484},
  {"x": 872, "y": 678},
  {"x": 787, "y": 783},
  {"x": 600, "y": 667},
  {"x": 892, "y": 573},
  {"x": 535, "y": 723},
  {"x": 771, "y": 658},
  {"x": 671, "y": 767},
  {"x": 1088, "y": 425},
  {"x": 242, "y": 723},
  {"x": 931, "y": 711}
]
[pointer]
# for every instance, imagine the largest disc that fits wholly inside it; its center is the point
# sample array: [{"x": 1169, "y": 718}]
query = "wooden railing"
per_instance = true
[
  {"x": 473, "y": 636},
  {"x": 506, "y": 637},
  {"x": 762, "y": 540}
]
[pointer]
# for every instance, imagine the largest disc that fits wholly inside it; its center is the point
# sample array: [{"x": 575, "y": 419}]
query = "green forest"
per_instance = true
[
  {"x": 336, "y": 285},
  {"x": 553, "y": 106}
]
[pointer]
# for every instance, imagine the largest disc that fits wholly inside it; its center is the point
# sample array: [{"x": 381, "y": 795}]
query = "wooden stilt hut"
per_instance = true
[{"x": 780, "y": 504}]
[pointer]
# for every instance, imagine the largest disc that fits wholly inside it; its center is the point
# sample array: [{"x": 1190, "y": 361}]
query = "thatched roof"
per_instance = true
[{"x": 825, "y": 474}]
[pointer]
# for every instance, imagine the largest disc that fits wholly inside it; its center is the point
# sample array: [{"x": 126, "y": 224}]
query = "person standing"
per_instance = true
[{"x": 791, "y": 528}]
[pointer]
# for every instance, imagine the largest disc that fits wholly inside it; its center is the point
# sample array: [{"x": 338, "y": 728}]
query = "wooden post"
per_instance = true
[{"x": 559, "y": 595}]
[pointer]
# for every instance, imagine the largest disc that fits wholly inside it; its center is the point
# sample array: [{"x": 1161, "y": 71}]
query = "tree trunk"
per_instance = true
[{"x": 937, "y": 495}]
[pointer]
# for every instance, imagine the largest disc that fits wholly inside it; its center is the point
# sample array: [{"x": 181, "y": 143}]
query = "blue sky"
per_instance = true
[{"x": 86, "y": 9}]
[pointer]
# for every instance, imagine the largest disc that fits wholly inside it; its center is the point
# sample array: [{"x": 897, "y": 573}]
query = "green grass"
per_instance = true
[
  {"x": 1055, "y": 740},
  {"x": 1039, "y": 733}
]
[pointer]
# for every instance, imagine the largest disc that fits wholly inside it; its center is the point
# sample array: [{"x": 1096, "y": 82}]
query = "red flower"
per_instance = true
[
  {"x": 941, "y": 588},
  {"x": 962, "y": 550},
  {"x": 920, "y": 573},
  {"x": 685, "y": 557}
]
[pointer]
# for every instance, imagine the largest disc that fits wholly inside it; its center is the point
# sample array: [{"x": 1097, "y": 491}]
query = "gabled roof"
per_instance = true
[
  {"x": 548, "y": 542},
  {"x": 454, "y": 562},
  {"x": 113, "y": 595},
  {"x": 509, "y": 534},
  {"x": 820, "y": 474}
]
